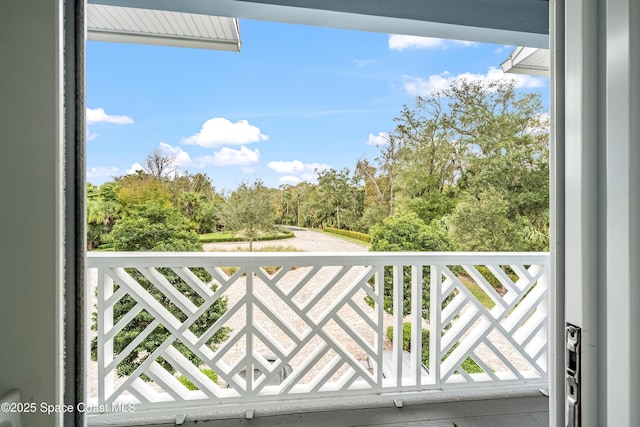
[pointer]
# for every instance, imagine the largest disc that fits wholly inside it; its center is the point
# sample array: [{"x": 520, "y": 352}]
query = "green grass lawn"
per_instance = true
[
  {"x": 216, "y": 237},
  {"x": 477, "y": 292}
]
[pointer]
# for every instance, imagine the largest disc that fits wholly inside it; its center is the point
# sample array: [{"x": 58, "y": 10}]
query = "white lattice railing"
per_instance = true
[{"x": 300, "y": 322}]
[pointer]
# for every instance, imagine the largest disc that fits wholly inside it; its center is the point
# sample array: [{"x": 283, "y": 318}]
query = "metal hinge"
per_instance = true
[{"x": 573, "y": 363}]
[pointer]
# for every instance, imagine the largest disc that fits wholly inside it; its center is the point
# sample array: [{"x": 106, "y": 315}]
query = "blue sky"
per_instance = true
[{"x": 295, "y": 99}]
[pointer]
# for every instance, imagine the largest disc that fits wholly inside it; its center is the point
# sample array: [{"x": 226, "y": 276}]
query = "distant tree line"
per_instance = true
[{"x": 470, "y": 163}]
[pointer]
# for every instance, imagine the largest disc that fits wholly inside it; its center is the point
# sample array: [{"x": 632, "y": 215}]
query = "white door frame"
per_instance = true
[
  {"x": 596, "y": 203},
  {"x": 600, "y": 225}
]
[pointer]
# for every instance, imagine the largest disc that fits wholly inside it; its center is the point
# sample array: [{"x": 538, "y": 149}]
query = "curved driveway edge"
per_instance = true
[{"x": 304, "y": 240}]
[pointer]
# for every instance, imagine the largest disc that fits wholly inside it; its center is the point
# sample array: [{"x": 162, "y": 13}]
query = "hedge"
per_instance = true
[
  {"x": 348, "y": 233},
  {"x": 224, "y": 237}
]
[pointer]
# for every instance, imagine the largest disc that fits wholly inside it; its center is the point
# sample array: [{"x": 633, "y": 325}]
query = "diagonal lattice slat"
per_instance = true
[
  {"x": 301, "y": 327},
  {"x": 515, "y": 321}
]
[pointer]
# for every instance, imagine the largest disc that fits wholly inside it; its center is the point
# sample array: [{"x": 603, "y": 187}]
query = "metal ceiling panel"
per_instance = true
[
  {"x": 161, "y": 27},
  {"x": 526, "y": 60}
]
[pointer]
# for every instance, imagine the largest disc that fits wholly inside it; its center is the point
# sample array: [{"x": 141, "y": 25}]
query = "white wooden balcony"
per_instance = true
[{"x": 300, "y": 322}]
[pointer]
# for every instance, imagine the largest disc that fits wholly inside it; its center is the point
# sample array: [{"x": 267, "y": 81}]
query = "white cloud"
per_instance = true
[
  {"x": 296, "y": 166},
  {"x": 309, "y": 176},
  {"x": 297, "y": 171},
  {"x": 434, "y": 83},
  {"x": 437, "y": 82},
  {"x": 402, "y": 42},
  {"x": 465, "y": 43},
  {"x": 381, "y": 138},
  {"x": 289, "y": 179},
  {"x": 134, "y": 168},
  {"x": 228, "y": 157},
  {"x": 224, "y": 157},
  {"x": 501, "y": 49},
  {"x": 220, "y": 131},
  {"x": 183, "y": 159},
  {"x": 102, "y": 171},
  {"x": 98, "y": 115},
  {"x": 287, "y": 167}
]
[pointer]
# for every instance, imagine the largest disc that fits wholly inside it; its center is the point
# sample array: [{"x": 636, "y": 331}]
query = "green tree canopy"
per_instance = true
[
  {"x": 482, "y": 223},
  {"x": 250, "y": 211},
  {"x": 103, "y": 211},
  {"x": 341, "y": 199},
  {"x": 471, "y": 137},
  {"x": 157, "y": 226},
  {"x": 404, "y": 231}
]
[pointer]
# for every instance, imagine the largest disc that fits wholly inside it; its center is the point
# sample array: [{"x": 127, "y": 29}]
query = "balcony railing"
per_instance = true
[{"x": 312, "y": 327}]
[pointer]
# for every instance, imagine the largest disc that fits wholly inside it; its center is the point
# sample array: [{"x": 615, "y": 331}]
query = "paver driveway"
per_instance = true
[{"x": 304, "y": 240}]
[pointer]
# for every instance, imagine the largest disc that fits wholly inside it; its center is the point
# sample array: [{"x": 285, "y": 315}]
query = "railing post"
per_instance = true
[
  {"x": 543, "y": 281},
  {"x": 416, "y": 323},
  {"x": 379, "y": 338},
  {"x": 105, "y": 347},
  {"x": 435, "y": 326},
  {"x": 249, "y": 348},
  {"x": 398, "y": 311}
]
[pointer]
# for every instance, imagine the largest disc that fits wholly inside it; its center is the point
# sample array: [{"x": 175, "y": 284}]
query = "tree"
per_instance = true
[
  {"x": 380, "y": 182},
  {"x": 103, "y": 210},
  {"x": 406, "y": 232},
  {"x": 250, "y": 212},
  {"x": 157, "y": 226},
  {"x": 139, "y": 189},
  {"x": 286, "y": 205},
  {"x": 430, "y": 157},
  {"x": 481, "y": 223},
  {"x": 471, "y": 137},
  {"x": 342, "y": 199},
  {"x": 510, "y": 146},
  {"x": 203, "y": 212},
  {"x": 198, "y": 183},
  {"x": 160, "y": 164}
]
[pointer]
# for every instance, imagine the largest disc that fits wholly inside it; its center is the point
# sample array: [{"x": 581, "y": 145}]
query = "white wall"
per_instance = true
[{"x": 30, "y": 127}]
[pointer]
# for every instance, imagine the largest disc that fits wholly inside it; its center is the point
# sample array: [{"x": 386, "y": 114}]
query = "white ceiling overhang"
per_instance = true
[
  {"x": 162, "y": 27},
  {"x": 513, "y": 22},
  {"x": 527, "y": 60}
]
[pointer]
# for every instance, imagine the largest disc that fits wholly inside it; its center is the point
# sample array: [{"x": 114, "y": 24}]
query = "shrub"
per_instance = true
[
  {"x": 229, "y": 237},
  {"x": 483, "y": 223},
  {"x": 156, "y": 226},
  {"x": 404, "y": 231},
  {"x": 406, "y": 340},
  {"x": 191, "y": 386},
  {"x": 469, "y": 365},
  {"x": 348, "y": 233}
]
